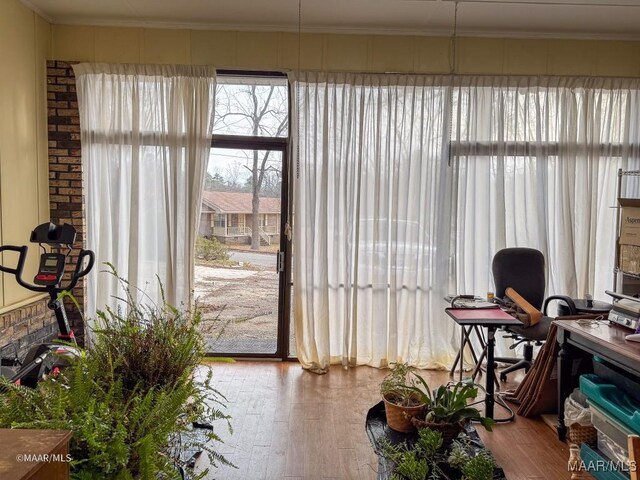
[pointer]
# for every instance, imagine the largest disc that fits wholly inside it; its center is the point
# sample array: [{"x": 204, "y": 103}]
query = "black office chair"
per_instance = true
[{"x": 523, "y": 270}]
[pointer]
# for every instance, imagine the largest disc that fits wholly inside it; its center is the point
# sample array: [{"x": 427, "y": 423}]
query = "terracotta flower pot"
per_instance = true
[{"x": 399, "y": 417}]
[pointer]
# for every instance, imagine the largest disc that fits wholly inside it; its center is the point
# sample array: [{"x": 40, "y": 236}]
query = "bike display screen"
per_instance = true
[{"x": 51, "y": 262}]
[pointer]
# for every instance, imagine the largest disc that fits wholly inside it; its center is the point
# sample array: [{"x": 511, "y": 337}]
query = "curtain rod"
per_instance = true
[
  {"x": 466, "y": 75},
  {"x": 250, "y": 73}
]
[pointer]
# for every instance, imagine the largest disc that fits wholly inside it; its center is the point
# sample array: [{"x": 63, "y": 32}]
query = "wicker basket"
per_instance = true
[
  {"x": 580, "y": 434},
  {"x": 399, "y": 418},
  {"x": 449, "y": 431}
]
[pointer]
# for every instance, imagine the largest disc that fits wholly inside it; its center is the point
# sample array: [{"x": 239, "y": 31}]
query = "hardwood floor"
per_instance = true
[{"x": 292, "y": 424}]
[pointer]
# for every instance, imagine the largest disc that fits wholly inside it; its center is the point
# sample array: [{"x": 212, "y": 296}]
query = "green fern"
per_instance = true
[{"x": 124, "y": 401}]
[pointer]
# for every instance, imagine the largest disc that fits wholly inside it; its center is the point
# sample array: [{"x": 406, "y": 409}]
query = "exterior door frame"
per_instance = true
[{"x": 283, "y": 258}]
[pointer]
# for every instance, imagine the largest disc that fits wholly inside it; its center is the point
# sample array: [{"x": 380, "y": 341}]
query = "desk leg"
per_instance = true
[
  {"x": 465, "y": 341},
  {"x": 462, "y": 345},
  {"x": 452, "y": 372},
  {"x": 471, "y": 349},
  {"x": 489, "y": 399},
  {"x": 564, "y": 385},
  {"x": 478, "y": 370}
]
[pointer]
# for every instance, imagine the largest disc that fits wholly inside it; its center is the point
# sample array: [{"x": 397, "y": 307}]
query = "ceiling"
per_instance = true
[{"x": 519, "y": 18}]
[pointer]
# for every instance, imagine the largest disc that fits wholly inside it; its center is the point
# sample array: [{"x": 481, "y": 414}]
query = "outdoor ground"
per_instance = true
[{"x": 240, "y": 303}]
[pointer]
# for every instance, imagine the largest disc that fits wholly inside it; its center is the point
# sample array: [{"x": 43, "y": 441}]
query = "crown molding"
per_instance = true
[
  {"x": 37, "y": 10},
  {"x": 292, "y": 28}
]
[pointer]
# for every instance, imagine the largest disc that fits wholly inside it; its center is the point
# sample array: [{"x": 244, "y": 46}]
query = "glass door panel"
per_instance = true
[{"x": 236, "y": 281}]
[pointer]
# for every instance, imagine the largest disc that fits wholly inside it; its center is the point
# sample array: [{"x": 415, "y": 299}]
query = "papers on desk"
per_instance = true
[
  {"x": 466, "y": 302},
  {"x": 476, "y": 305}
]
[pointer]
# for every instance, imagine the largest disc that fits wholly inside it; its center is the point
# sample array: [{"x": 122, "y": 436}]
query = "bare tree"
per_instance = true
[
  {"x": 233, "y": 176},
  {"x": 256, "y": 110}
]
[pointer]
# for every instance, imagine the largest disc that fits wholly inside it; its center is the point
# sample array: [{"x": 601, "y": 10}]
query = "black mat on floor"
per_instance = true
[
  {"x": 377, "y": 429},
  {"x": 242, "y": 345}
]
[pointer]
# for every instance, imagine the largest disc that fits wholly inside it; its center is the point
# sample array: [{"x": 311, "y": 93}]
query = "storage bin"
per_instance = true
[
  {"x": 612, "y": 401},
  {"x": 630, "y": 384},
  {"x": 611, "y": 449},
  {"x": 611, "y": 428},
  {"x": 599, "y": 466}
]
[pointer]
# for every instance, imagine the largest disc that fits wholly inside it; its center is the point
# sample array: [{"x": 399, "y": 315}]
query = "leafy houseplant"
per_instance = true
[
  {"x": 402, "y": 399},
  {"x": 126, "y": 399},
  {"x": 427, "y": 457},
  {"x": 447, "y": 410}
]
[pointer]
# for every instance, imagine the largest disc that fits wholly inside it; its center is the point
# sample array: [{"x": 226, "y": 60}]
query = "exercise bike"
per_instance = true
[{"x": 45, "y": 358}]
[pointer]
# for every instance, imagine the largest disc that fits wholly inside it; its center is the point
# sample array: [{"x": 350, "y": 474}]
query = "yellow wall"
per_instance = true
[
  {"x": 25, "y": 41},
  {"x": 338, "y": 52}
]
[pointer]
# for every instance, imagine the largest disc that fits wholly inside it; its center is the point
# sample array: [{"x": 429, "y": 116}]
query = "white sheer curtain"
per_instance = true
[
  {"x": 388, "y": 218},
  {"x": 146, "y": 132},
  {"x": 372, "y": 256},
  {"x": 536, "y": 163}
]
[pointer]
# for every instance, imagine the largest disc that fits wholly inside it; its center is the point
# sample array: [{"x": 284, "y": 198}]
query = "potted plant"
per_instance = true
[
  {"x": 133, "y": 399},
  {"x": 402, "y": 398},
  {"x": 446, "y": 408},
  {"x": 426, "y": 458}
]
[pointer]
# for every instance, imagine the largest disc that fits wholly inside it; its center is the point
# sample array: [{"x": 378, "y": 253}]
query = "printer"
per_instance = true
[{"x": 625, "y": 311}]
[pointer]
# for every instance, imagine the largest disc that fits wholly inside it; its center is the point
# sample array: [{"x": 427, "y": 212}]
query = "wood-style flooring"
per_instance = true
[{"x": 292, "y": 424}]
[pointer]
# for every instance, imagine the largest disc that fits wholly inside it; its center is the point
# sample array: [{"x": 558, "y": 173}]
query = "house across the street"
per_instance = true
[{"x": 227, "y": 216}]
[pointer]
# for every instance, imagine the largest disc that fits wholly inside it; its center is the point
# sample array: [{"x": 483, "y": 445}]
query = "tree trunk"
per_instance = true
[
  {"x": 255, "y": 223},
  {"x": 255, "y": 205}
]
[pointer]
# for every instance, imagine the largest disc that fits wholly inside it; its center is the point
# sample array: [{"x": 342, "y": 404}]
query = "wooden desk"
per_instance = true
[
  {"x": 491, "y": 319},
  {"x": 17, "y": 444},
  {"x": 602, "y": 339}
]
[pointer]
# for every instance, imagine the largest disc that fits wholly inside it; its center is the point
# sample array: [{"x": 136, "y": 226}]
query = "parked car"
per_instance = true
[{"x": 387, "y": 248}]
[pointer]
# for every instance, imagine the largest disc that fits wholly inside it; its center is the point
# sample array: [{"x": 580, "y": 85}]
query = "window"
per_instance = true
[
  {"x": 218, "y": 220},
  {"x": 252, "y": 106},
  {"x": 536, "y": 164}
]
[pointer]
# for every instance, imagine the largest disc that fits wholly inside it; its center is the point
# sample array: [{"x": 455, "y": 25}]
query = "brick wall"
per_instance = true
[
  {"x": 65, "y": 166},
  {"x": 25, "y": 326}
]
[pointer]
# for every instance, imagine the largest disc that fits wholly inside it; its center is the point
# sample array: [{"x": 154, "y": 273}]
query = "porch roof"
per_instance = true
[{"x": 238, "y": 202}]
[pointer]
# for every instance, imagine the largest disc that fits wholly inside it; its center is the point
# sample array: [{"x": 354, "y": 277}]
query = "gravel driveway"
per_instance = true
[{"x": 243, "y": 304}]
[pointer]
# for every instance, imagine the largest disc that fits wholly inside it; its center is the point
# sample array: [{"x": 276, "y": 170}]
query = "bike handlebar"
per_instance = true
[
  {"x": 78, "y": 273},
  {"x": 17, "y": 272},
  {"x": 21, "y": 259}
]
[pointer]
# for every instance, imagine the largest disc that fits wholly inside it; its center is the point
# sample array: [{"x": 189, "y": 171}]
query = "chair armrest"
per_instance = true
[{"x": 563, "y": 298}]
